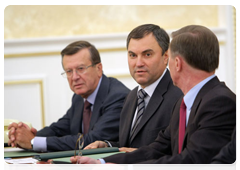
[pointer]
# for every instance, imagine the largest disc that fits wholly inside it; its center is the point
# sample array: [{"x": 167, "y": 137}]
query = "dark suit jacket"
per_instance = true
[
  {"x": 156, "y": 116},
  {"x": 210, "y": 125},
  {"x": 227, "y": 154},
  {"x": 104, "y": 123}
]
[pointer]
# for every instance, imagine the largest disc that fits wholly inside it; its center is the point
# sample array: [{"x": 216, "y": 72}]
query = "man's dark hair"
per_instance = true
[
  {"x": 198, "y": 45},
  {"x": 75, "y": 47},
  {"x": 160, "y": 34}
]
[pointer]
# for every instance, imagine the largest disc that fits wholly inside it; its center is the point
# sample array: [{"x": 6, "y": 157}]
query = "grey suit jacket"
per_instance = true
[
  {"x": 156, "y": 116},
  {"x": 210, "y": 125},
  {"x": 104, "y": 124}
]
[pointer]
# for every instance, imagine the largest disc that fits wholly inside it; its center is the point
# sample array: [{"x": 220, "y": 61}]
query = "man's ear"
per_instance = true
[
  {"x": 165, "y": 57},
  {"x": 178, "y": 63},
  {"x": 99, "y": 69}
]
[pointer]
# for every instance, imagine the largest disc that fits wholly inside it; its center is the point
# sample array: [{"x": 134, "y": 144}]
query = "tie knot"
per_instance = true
[
  {"x": 87, "y": 105},
  {"x": 142, "y": 94},
  {"x": 183, "y": 106}
]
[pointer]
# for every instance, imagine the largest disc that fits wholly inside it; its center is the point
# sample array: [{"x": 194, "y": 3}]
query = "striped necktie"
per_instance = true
[{"x": 141, "y": 106}]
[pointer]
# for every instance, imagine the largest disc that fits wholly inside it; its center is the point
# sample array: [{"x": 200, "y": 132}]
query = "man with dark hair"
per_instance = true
[
  {"x": 141, "y": 120},
  {"x": 203, "y": 120},
  {"x": 95, "y": 111}
]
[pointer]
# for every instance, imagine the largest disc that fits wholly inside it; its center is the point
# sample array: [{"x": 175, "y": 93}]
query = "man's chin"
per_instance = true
[
  {"x": 141, "y": 81},
  {"x": 79, "y": 91}
]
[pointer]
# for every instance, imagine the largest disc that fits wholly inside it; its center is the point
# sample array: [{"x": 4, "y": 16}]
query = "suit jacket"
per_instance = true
[
  {"x": 104, "y": 123},
  {"x": 156, "y": 116},
  {"x": 227, "y": 154},
  {"x": 210, "y": 125}
]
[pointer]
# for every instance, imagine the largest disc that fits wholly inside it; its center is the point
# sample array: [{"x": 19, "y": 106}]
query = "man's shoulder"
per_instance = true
[
  {"x": 116, "y": 85},
  {"x": 112, "y": 89},
  {"x": 215, "y": 88}
]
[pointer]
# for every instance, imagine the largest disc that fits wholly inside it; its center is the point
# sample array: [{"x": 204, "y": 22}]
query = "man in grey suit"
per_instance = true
[
  {"x": 147, "y": 47},
  {"x": 105, "y": 96},
  {"x": 203, "y": 120}
]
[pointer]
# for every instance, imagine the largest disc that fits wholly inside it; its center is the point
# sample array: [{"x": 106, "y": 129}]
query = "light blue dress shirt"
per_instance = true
[
  {"x": 189, "y": 99},
  {"x": 40, "y": 143},
  {"x": 191, "y": 95}
]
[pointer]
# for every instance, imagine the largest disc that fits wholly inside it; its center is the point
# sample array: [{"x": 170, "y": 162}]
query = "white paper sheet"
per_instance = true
[
  {"x": 21, "y": 161},
  {"x": 10, "y": 149}
]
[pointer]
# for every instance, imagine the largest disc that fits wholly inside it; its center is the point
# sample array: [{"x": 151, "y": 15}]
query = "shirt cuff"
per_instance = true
[
  {"x": 40, "y": 144},
  {"x": 102, "y": 161}
]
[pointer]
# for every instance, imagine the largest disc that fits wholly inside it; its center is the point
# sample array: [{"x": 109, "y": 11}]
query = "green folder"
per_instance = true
[
  {"x": 16, "y": 154},
  {"x": 51, "y": 155},
  {"x": 64, "y": 160}
]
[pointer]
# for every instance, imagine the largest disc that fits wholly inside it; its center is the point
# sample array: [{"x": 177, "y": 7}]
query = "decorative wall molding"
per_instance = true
[
  {"x": 53, "y": 46},
  {"x": 31, "y": 81}
]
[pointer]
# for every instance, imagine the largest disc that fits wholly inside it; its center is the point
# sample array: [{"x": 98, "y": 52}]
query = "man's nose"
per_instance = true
[
  {"x": 140, "y": 61},
  {"x": 75, "y": 75}
]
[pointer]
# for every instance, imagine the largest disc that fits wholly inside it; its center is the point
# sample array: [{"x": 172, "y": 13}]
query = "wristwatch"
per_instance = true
[
  {"x": 108, "y": 143},
  {"x": 32, "y": 142}
]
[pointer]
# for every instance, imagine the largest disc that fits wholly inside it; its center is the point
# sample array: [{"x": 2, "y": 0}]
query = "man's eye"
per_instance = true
[
  {"x": 80, "y": 68},
  {"x": 132, "y": 55},
  {"x": 148, "y": 54},
  {"x": 68, "y": 71}
]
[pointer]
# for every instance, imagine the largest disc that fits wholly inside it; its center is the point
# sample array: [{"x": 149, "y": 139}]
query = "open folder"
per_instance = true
[{"x": 60, "y": 154}]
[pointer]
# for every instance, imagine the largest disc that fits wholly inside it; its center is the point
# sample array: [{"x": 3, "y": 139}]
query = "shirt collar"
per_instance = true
[
  {"x": 191, "y": 95},
  {"x": 150, "y": 89},
  {"x": 91, "y": 98}
]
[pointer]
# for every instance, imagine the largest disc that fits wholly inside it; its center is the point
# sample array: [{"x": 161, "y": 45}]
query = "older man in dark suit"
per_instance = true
[
  {"x": 203, "y": 120},
  {"x": 95, "y": 110}
]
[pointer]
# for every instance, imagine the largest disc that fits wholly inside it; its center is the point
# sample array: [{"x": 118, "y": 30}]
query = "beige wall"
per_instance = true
[
  {"x": 53, "y": 21},
  {"x": 35, "y": 35}
]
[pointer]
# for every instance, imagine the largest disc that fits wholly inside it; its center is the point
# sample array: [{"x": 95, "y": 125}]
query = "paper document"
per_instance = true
[
  {"x": 21, "y": 161},
  {"x": 10, "y": 149}
]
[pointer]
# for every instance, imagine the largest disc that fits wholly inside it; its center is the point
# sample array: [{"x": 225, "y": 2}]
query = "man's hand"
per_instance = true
[
  {"x": 96, "y": 144},
  {"x": 125, "y": 149},
  {"x": 108, "y": 166},
  {"x": 20, "y": 135},
  {"x": 11, "y": 134},
  {"x": 83, "y": 160},
  {"x": 23, "y": 137},
  {"x": 33, "y": 130}
]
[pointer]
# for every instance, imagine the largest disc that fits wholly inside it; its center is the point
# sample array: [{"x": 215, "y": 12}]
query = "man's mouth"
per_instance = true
[
  {"x": 77, "y": 85},
  {"x": 140, "y": 71}
]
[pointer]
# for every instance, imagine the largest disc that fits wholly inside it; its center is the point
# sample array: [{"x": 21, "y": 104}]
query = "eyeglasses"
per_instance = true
[
  {"x": 79, "y": 70},
  {"x": 79, "y": 143}
]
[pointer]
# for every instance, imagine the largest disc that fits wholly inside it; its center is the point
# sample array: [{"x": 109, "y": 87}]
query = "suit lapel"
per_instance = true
[
  {"x": 102, "y": 92},
  {"x": 76, "y": 125},
  {"x": 155, "y": 101},
  {"x": 131, "y": 105},
  {"x": 205, "y": 89}
]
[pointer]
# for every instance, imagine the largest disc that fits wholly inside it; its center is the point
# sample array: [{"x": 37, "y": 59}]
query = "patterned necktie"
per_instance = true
[
  {"x": 141, "y": 106},
  {"x": 87, "y": 113},
  {"x": 182, "y": 125}
]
